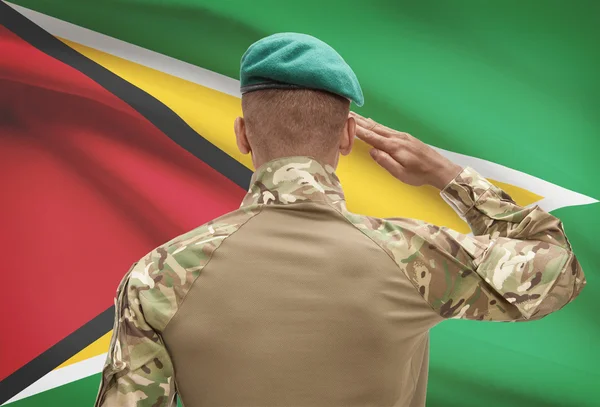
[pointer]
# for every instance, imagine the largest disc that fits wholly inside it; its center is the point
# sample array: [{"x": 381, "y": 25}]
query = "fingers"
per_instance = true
[
  {"x": 372, "y": 125},
  {"x": 367, "y": 124},
  {"x": 387, "y": 162},
  {"x": 376, "y": 140}
]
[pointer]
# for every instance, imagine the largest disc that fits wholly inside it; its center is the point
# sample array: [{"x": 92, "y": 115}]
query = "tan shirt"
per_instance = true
[{"x": 294, "y": 301}]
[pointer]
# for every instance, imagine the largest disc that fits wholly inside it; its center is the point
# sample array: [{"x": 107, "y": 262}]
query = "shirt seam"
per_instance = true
[
  {"x": 392, "y": 259},
  {"x": 260, "y": 208}
]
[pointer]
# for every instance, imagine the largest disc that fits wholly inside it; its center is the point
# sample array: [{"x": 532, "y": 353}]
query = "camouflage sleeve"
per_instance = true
[
  {"x": 518, "y": 266},
  {"x": 138, "y": 370},
  {"x": 490, "y": 211}
]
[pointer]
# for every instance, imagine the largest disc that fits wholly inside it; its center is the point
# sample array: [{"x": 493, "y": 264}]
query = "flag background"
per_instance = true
[{"x": 94, "y": 184}]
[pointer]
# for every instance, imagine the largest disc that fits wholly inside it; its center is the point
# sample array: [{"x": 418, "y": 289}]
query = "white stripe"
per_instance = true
[
  {"x": 555, "y": 196},
  {"x": 132, "y": 52},
  {"x": 62, "y": 376}
]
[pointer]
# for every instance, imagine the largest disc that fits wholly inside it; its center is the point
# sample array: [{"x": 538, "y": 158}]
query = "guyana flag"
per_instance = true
[{"x": 116, "y": 135}]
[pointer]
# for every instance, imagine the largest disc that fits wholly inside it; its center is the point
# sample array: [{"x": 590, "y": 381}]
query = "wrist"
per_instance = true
[{"x": 444, "y": 175}]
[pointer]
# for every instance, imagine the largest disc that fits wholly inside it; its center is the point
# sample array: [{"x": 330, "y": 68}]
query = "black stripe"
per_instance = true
[
  {"x": 158, "y": 114},
  {"x": 56, "y": 355},
  {"x": 148, "y": 106}
]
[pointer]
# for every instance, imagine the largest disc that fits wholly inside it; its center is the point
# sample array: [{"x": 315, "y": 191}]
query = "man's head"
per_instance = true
[
  {"x": 296, "y": 93},
  {"x": 289, "y": 122}
]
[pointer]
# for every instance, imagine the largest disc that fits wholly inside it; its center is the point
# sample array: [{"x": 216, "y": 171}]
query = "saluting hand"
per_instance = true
[{"x": 405, "y": 157}]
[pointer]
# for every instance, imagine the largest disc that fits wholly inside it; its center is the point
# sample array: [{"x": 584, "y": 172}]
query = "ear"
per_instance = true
[
  {"x": 348, "y": 134},
  {"x": 239, "y": 126}
]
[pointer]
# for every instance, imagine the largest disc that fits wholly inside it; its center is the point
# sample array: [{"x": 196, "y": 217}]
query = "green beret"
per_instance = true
[{"x": 291, "y": 60}]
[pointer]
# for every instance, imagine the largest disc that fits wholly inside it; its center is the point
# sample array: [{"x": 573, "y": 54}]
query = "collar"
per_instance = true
[{"x": 294, "y": 179}]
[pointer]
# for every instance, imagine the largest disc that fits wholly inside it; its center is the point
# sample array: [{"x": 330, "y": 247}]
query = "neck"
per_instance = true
[{"x": 332, "y": 160}]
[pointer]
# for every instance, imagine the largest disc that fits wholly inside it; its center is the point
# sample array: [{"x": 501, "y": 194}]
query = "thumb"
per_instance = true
[{"x": 387, "y": 162}]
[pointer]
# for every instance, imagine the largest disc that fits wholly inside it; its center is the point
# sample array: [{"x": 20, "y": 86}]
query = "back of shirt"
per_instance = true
[
  {"x": 293, "y": 300},
  {"x": 300, "y": 308}
]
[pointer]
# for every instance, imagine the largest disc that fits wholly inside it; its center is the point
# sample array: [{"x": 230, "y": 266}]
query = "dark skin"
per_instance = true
[
  {"x": 402, "y": 155},
  {"x": 346, "y": 142}
]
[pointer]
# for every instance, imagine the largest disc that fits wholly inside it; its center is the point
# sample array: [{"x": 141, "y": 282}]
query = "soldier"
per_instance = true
[{"x": 292, "y": 300}]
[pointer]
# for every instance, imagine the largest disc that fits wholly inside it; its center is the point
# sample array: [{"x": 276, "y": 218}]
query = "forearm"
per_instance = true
[
  {"x": 529, "y": 260},
  {"x": 490, "y": 211}
]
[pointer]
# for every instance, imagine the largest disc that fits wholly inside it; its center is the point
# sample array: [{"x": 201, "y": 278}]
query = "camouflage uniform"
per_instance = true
[{"x": 518, "y": 266}]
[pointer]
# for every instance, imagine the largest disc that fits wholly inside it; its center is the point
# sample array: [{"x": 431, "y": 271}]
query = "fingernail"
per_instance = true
[{"x": 373, "y": 153}]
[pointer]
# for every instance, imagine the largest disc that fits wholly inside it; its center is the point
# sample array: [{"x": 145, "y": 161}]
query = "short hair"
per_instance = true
[{"x": 285, "y": 122}]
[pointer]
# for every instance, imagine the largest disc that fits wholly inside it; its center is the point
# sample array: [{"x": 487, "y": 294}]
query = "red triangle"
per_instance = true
[{"x": 88, "y": 187}]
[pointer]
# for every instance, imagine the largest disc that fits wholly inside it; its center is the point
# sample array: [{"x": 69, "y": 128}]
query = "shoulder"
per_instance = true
[
  {"x": 405, "y": 236},
  {"x": 434, "y": 259},
  {"x": 164, "y": 276},
  {"x": 388, "y": 229},
  {"x": 392, "y": 235},
  {"x": 413, "y": 241},
  {"x": 206, "y": 237}
]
